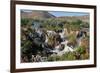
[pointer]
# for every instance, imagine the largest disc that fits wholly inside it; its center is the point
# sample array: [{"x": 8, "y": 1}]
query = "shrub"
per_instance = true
[
  {"x": 72, "y": 40},
  {"x": 54, "y": 58},
  {"x": 68, "y": 56},
  {"x": 80, "y": 50},
  {"x": 24, "y": 21},
  {"x": 85, "y": 43}
]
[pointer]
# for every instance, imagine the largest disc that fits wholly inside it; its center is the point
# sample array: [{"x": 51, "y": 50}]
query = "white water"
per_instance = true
[{"x": 66, "y": 49}]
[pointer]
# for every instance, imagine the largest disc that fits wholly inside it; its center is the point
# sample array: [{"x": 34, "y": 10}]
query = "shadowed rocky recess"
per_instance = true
[{"x": 45, "y": 37}]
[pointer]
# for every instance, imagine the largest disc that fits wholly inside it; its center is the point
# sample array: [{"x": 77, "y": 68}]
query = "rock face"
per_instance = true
[{"x": 36, "y": 14}]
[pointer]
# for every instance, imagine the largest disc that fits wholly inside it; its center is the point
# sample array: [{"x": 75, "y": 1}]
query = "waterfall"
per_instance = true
[{"x": 66, "y": 49}]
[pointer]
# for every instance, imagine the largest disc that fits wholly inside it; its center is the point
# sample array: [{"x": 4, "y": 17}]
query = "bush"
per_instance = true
[
  {"x": 24, "y": 21},
  {"x": 80, "y": 50},
  {"x": 72, "y": 40},
  {"x": 68, "y": 56},
  {"x": 54, "y": 58},
  {"x": 85, "y": 43},
  {"x": 65, "y": 57},
  {"x": 83, "y": 53}
]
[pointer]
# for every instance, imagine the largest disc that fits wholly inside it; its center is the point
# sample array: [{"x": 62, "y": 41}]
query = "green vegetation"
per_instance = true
[
  {"x": 82, "y": 51},
  {"x": 72, "y": 39},
  {"x": 66, "y": 56},
  {"x": 24, "y": 21}
]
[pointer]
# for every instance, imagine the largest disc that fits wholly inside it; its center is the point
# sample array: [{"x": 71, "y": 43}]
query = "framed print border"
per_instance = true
[{"x": 13, "y": 35}]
